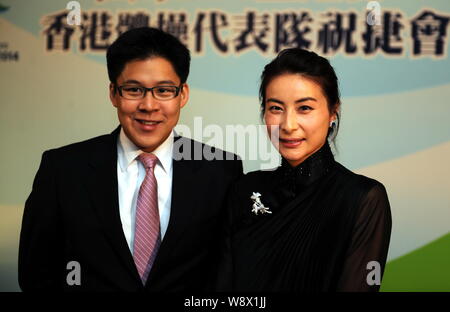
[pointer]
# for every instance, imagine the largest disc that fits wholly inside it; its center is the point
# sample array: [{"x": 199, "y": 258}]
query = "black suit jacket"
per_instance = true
[{"x": 72, "y": 214}]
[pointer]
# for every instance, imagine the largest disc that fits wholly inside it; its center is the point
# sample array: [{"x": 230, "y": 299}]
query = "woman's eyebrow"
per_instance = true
[
  {"x": 308, "y": 98},
  {"x": 275, "y": 100}
]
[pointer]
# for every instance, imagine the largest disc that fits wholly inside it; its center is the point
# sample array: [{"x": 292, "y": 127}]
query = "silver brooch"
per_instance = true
[{"x": 258, "y": 206}]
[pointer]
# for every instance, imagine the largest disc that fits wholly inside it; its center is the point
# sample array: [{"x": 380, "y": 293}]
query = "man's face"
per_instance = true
[{"x": 147, "y": 122}]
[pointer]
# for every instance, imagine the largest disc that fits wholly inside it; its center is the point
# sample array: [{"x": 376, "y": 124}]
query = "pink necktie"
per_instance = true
[{"x": 147, "y": 231}]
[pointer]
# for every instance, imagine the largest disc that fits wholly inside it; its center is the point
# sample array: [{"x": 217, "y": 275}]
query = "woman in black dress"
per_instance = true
[{"x": 311, "y": 224}]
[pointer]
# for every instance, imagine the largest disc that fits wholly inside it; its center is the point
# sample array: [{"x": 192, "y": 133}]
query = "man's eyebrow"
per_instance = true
[
  {"x": 166, "y": 82},
  {"x": 162, "y": 82},
  {"x": 131, "y": 81}
]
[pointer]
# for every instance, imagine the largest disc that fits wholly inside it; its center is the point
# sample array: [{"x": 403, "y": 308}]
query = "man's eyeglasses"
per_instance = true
[{"x": 162, "y": 93}]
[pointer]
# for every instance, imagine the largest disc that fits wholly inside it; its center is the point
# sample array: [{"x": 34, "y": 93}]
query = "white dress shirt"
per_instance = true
[{"x": 131, "y": 173}]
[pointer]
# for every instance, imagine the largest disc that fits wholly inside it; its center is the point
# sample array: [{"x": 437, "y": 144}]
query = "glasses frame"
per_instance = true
[{"x": 177, "y": 92}]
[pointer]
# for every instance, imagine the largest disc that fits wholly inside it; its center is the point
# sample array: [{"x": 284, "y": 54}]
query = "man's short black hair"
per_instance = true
[{"x": 145, "y": 42}]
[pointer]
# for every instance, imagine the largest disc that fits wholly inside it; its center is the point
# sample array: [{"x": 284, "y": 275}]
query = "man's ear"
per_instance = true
[
  {"x": 112, "y": 94},
  {"x": 184, "y": 95}
]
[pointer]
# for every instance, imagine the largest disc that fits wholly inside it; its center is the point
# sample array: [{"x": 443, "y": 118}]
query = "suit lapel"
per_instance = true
[
  {"x": 182, "y": 210},
  {"x": 103, "y": 189}
]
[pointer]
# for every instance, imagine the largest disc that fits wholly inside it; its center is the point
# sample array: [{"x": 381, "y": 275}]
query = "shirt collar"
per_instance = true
[{"x": 128, "y": 152}]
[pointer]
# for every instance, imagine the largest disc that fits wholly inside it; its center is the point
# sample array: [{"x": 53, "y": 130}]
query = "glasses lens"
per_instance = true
[
  {"x": 165, "y": 92},
  {"x": 132, "y": 92}
]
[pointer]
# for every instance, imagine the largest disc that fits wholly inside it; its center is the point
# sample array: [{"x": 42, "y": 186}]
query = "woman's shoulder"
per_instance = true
[
  {"x": 357, "y": 182},
  {"x": 367, "y": 198}
]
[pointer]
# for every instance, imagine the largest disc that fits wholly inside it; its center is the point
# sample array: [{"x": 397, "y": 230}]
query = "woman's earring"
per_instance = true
[{"x": 333, "y": 124}]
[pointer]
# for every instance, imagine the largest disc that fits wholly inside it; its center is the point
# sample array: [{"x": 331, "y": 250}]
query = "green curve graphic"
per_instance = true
[{"x": 424, "y": 269}]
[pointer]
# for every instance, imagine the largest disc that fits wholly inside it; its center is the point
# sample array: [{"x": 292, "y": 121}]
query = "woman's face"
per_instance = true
[{"x": 299, "y": 108}]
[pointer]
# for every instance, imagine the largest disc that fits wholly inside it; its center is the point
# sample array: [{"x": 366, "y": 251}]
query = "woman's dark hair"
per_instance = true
[
  {"x": 311, "y": 66},
  {"x": 142, "y": 43}
]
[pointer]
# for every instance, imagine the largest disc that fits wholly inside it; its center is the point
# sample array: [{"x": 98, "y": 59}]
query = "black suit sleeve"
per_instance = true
[
  {"x": 40, "y": 263},
  {"x": 370, "y": 242},
  {"x": 238, "y": 170}
]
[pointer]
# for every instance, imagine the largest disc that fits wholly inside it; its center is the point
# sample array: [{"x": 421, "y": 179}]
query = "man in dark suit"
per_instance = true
[{"x": 139, "y": 209}]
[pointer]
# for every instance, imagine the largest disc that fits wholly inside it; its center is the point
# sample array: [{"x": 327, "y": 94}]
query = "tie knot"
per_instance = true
[{"x": 148, "y": 160}]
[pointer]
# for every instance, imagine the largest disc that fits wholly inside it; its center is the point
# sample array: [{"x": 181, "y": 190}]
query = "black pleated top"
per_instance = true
[{"x": 326, "y": 227}]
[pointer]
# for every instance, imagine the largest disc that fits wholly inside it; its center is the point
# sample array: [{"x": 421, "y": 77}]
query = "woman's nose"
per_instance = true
[{"x": 290, "y": 122}]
